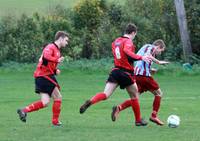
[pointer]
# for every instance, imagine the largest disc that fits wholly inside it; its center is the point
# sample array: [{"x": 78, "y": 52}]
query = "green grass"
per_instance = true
[
  {"x": 181, "y": 97},
  {"x": 17, "y": 7}
]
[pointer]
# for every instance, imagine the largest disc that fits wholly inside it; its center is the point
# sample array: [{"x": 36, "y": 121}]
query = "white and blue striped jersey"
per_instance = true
[{"x": 142, "y": 67}]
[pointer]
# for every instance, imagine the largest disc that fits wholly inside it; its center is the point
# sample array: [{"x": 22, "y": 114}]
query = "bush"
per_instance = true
[
  {"x": 94, "y": 24},
  {"x": 156, "y": 20},
  {"x": 87, "y": 18},
  {"x": 7, "y": 27},
  {"x": 22, "y": 39},
  {"x": 88, "y": 13}
]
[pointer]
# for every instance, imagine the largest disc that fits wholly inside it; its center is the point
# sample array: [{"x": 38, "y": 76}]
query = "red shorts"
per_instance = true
[{"x": 145, "y": 83}]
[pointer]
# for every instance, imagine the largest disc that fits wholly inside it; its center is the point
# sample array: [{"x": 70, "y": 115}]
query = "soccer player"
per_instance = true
[
  {"x": 145, "y": 81},
  {"x": 46, "y": 84},
  {"x": 122, "y": 74}
]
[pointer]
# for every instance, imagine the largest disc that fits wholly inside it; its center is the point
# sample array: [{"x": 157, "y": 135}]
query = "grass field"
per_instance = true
[
  {"x": 17, "y": 90},
  {"x": 17, "y": 7}
]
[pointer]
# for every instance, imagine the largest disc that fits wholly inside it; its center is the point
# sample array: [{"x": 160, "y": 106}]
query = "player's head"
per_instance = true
[
  {"x": 61, "y": 38},
  {"x": 131, "y": 30},
  {"x": 160, "y": 46}
]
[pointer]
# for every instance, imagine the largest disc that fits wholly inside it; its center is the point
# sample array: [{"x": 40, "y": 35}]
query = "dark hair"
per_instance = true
[
  {"x": 160, "y": 43},
  {"x": 61, "y": 34},
  {"x": 130, "y": 28}
]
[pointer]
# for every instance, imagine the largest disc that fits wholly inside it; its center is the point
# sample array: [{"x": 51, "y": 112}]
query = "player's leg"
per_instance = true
[
  {"x": 133, "y": 102},
  {"x": 156, "y": 106},
  {"x": 109, "y": 89},
  {"x": 45, "y": 99},
  {"x": 117, "y": 109},
  {"x": 134, "y": 95},
  {"x": 127, "y": 103},
  {"x": 56, "y": 107}
]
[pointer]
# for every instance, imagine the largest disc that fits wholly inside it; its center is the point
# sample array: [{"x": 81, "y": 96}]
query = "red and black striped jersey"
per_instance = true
[
  {"x": 123, "y": 51},
  {"x": 48, "y": 61}
]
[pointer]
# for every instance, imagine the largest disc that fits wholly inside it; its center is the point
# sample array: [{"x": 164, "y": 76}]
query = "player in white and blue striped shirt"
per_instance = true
[{"x": 144, "y": 80}]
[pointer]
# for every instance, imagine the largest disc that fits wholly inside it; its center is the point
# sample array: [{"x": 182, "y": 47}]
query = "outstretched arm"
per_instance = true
[
  {"x": 158, "y": 61},
  {"x": 127, "y": 50}
]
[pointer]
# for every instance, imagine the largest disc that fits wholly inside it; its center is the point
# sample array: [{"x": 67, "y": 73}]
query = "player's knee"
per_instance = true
[
  {"x": 134, "y": 97},
  {"x": 45, "y": 102},
  {"x": 106, "y": 96},
  {"x": 159, "y": 94},
  {"x": 58, "y": 97}
]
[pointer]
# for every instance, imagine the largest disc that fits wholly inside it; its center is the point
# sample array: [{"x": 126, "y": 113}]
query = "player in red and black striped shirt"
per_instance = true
[
  {"x": 122, "y": 74},
  {"x": 45, "y": 82}
]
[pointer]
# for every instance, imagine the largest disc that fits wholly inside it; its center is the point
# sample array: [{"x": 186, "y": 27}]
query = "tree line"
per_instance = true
[{"x": 94, "y": 24}]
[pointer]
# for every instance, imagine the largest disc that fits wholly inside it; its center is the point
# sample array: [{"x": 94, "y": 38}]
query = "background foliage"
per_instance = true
[{"x": 94, "y": 24}]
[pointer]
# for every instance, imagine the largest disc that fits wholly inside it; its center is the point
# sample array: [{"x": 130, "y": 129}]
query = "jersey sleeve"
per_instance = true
[
  {"x": 48, "y": 54},
  {"x": 128, "y": 49}
]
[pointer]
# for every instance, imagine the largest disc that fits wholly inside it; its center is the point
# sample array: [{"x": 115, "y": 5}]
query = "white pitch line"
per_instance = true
[{"x": 164, "y": 98}]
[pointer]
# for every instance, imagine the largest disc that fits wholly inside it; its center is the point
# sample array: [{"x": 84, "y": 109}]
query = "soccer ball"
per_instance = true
[{"x": 173, "y": 121}]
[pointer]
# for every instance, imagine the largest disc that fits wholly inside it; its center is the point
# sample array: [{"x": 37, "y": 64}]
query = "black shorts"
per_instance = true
[
  {"x": 122, "y": 77},
  {"x": 43, "y": 85}
]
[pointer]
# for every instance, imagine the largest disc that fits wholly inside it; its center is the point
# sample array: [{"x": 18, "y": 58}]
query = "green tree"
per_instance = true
[
  {"x": 87, "y": 18},
  {"x": 155, "y": 19}
]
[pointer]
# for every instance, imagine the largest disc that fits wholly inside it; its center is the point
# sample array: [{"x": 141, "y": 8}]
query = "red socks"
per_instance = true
[
  {"x": 56, "y": 108},
  {"x": 156, "y": 105},
  {"x": 39, "y": 105},
  {"x": 136, "y": 109},
  {"x": 125, "y": 105},
  {"x": 33, "y": 107},
  {"x": 98, "y": 97},
  {"x": 134, "y": 103}
]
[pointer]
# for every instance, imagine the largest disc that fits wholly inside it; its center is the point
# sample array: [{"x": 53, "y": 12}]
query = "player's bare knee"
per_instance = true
[
  {"x": 107, "y": 96},
  {"x": 45, "y": 102},
  {"x": 159, "y": 94},
  {"x": 57, "y": 97},
  {"x": 134, "y": 97}
]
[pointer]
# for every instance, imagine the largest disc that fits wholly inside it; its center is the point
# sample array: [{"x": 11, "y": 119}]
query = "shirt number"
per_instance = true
[{"x": 117, "y": 53}]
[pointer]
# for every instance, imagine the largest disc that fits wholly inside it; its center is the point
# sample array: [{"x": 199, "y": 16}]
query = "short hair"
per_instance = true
[
  {"x": 130, "y": 28},
  {"x": 61, "y": 34},
  {"x": 160, "y": 43}
]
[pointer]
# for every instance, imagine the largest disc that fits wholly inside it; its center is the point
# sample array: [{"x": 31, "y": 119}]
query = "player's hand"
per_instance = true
[
  {"x": 163, "y": 62},
  {"x": 57, "y": 71},
  {"x": 61, "y": 59},
  {"x": 153, "y": 71},
  {"x": 147, "y": 59}
]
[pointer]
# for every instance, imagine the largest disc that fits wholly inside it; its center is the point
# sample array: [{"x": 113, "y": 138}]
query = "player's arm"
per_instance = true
[
  {"x": 128, "y": 51},
  {"x": 132, "y": 55},
  {"x": 48, "y": 55},
  {"x": 150, "y": 52},
  {"x": 57, "y": 71},
  {"x": 153, "y": 71},
  {"x": 158, "y": 61}
]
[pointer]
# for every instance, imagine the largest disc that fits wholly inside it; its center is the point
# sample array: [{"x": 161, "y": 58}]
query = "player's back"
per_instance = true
[{"x": 120, "y": 58}]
